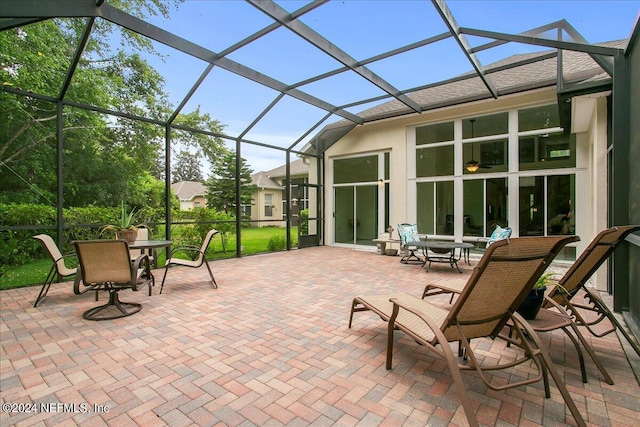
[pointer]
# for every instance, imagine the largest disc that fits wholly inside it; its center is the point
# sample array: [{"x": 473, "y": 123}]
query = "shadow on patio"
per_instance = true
[{"x": 270, "y": 347}]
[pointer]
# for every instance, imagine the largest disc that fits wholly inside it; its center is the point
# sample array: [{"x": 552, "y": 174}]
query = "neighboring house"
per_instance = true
[
  {"x": 541, "y": 153},
  {"x": 269, "y": 203},
  {"x": 191, "y": 194}
]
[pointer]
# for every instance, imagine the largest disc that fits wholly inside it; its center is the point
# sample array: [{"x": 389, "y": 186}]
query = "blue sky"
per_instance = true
[{"x": 362, "y": 29}]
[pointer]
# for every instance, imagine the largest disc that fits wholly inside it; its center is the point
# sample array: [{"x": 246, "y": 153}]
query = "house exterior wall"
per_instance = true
[
  {"x": 397, "y": 136},
  {"x": 198, "y": 201},
  {"x": 258, "y": 202}
]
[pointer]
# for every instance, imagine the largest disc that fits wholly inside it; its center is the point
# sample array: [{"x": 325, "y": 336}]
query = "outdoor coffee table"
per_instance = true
[{"x": 445, "y": 252}]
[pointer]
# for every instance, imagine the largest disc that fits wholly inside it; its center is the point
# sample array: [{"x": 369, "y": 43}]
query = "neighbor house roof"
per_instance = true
[
  {"x": 263, "y": 180},
  {"x": 267, "y": 179},
  {"x": 187, "y": 190},
  {"x": 298, "y": 167}
]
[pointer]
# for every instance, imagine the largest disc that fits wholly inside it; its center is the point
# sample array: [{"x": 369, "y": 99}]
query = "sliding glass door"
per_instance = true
[{"x": 356, "y": 214}]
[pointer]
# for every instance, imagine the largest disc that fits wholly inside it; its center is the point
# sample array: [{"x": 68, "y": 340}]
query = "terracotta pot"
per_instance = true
[{"x": 127, "y": 234}]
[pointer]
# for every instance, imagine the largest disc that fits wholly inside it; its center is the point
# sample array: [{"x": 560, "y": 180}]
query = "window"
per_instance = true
[
  {"x": 491, "y": 156},
  {"x": 196, "y": 204},
  {"x": 435, "y": 208},
  {"x": 441, "y": 132},
  {"x": 546, "y": 205},
  {"x": 544, "y": 117},
  {"x": 268, "y": 205},
  {"x": 547, "y": 151},
  {"x": 488, "y": 155},
  {"x": 494, "y": 124},
  {"x": 485, "y": 206},
  {"x": 436, "y": 159},
  {"x": 355, "y": 169}
]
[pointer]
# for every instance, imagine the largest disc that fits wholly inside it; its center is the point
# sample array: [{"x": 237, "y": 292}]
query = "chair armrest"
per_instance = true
[{"x": 141, "y": 262}]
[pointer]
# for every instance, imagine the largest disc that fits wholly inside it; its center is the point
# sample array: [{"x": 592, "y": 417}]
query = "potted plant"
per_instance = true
[
  {"x": 124, "y": 228},
  {"x": 533, "y": 302}
]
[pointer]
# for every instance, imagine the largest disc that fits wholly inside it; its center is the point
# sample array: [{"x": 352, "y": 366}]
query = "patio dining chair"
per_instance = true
[
  {"x": 408, "y": 235},
  {"x": 495, "y": 289},
  {"x": 574, "y": 282},
  {"x": 193, "y": 263},
  {"x": 59, "y": 268},
  {"x": 107, "y": 264}
]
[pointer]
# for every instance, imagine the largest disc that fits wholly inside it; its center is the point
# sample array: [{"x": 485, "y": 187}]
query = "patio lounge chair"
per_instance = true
[
  {"x": 59, "y": 267},
  {"x": 509, "y": 270},
  {"x": 201, "y": 259},
  {"x": 575, "y": 279},
  {"x": 107, "y": 263}
]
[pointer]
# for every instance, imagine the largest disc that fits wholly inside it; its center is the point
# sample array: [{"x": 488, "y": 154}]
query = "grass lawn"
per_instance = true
[{"x": 254, "y": 240}]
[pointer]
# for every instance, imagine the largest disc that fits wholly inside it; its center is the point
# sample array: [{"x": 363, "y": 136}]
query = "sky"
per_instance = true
[{"x": 360, "y": 28}]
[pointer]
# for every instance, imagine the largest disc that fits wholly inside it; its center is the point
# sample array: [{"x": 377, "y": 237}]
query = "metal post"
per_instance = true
[
  {"x": 619, "y": 215},
  {"x": 167, "y": 182},
  {"x": 238, "y": 199},
  {"x": 287, "y": 192},
  {"x": 59, "y": 171}
]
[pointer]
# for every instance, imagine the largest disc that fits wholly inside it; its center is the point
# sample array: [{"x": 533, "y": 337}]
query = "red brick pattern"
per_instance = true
[{"x": 271, "y": 347}]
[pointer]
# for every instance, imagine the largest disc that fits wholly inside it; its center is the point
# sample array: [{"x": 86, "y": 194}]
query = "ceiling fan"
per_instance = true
[{"x": 472, "y": 165}]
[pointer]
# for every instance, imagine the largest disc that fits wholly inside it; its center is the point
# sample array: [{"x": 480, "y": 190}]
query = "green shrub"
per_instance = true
[
  {"x": 304, "y": 222},
  {"x": 277, "y": 243}
]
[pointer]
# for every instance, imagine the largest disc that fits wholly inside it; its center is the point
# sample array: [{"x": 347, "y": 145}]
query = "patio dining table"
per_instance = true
[{"x": 445, "y": 252}]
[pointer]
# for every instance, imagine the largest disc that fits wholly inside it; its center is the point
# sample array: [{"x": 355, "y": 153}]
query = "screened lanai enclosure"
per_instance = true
[{"x": 105, "y": 102}]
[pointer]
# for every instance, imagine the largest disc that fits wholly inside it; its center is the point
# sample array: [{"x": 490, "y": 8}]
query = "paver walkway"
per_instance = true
[{"x": 270, "y": 347}]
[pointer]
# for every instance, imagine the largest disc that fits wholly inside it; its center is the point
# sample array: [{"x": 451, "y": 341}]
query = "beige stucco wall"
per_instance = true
[
  {"x": 187, "y": 205},
  {"x": 257, "y": 208},
  {"x": 395, "y": 135}
]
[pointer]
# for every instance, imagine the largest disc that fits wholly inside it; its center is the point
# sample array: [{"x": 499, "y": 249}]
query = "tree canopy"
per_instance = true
[
  {"x": 106, "y": 158},
  {"x": 221, "y": 187}
]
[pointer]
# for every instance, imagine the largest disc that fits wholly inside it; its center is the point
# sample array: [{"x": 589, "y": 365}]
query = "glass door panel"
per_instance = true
[
  {"x": 366, "y": 214},
  {"x": 344, "y": 203}
]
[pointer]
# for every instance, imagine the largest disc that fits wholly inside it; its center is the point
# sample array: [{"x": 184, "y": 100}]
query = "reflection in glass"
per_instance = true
[
  {"x": 356, "y": 214},
  {"x": 435, "y": 161},
  {"x": 435, "y": 214},
  {"x": 485, "y": 206},
  {"x": 355, "y": 169},
  {"x": 544, "y": 117},
  {"x": 492, "y": 156},
  {"x": 547, "y": 151},
  {"x": 440, "y": 132},
  {"x": 546, "y": 205},
  {"x": 494, "y": 124},
  {"x": 560, "y": 197}
]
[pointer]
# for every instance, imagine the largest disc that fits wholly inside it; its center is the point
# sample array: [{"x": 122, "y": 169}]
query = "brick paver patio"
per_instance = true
[{"x": 270, "y": 347}]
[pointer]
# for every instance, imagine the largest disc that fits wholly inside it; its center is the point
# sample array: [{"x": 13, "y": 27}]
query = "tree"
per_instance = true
[
  {"x": 203, "y": 145},
  {"x": 221, "y": 187},
  {"x": 106, "y": 158},
  {"x": 186, "y": 167}
]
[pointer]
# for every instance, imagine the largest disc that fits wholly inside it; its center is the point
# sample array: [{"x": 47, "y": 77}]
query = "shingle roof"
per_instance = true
[
  {"x": 187, "y": 190},
  {"x": 578, "y": 68},
  {"x": 298, "y": 167},
  {"x": 262, "y": 180},
  {"x": 267, "y": 179}
]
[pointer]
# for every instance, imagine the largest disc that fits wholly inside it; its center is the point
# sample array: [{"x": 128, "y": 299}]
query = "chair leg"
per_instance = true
[
  {"x": 215, "y": 285},
  {"x": 602, "y": 307},
  {"x": 591, "y": 353},
  {"x": 125, "y": 309},
  {"x": 548, "y": 366},
  {"x": 164, "y": 276},
  {"x": 46, "y": 285}
]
